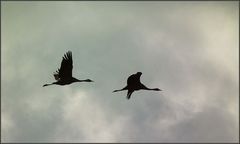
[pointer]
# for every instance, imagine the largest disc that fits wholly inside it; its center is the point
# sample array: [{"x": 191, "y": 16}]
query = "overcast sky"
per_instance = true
[{"x": 190, "y": 50}]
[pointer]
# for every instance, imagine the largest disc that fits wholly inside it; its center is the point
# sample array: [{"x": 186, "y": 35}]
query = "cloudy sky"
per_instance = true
[{"x": 188, "y": 49}]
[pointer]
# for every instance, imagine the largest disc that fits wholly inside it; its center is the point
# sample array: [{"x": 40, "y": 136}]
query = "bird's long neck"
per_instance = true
[
  {"x": 77, "y": 80},
  {"x": 153, "y": 89},
  {"x": 82, "y": 80}
]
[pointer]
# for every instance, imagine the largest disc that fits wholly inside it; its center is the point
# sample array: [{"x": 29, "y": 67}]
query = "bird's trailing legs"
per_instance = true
[
  {"x": 125, "y": 88},
  {"x": 49, "y": 84},
  {"x": 143, "y": 87}
]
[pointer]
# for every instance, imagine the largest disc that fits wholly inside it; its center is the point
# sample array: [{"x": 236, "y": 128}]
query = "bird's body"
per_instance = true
[
  {"x": 64, "y": 74},
  {"x": 134, "y": 84}
]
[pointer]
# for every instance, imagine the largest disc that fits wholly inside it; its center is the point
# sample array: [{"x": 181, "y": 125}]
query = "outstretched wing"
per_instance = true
[{"x": 65, "y": 71}]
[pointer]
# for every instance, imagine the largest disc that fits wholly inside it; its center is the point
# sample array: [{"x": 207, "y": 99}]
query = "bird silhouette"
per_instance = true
[
  {"x": 134, "y": 84},
  {"x": 64, "y": 74}
]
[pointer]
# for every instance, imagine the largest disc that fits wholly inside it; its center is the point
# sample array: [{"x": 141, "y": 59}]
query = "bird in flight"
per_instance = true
[
  {"x": 134, "y": 84},
  {"x": 63, "y": 76}
]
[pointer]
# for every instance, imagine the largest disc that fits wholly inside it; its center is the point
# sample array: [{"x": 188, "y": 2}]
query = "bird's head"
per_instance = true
[
  {"x": 88, "y": 80},
  {"x": 157, "y": 89}
]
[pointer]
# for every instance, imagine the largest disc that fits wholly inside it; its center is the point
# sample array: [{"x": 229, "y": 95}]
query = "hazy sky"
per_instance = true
[{"x": 188, "y": 49}]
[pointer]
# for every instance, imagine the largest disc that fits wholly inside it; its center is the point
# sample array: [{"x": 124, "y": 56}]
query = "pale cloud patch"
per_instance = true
[{"x": 85, "y": 120}]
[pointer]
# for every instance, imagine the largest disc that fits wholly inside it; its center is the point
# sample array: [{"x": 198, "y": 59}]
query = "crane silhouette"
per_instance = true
[
  {"x": 134, "y": 84},
  {"x": 64, "y": 74}
]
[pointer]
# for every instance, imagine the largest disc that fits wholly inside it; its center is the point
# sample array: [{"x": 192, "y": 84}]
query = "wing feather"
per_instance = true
[{"x": 65, "y": 71}]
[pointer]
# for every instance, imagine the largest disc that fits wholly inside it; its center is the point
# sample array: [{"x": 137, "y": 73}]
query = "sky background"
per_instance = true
[{"x": 190, "y": 50}]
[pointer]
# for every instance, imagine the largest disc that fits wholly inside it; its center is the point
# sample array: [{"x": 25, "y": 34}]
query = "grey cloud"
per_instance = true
[
  {"x": 171, "y": 43},
  {"x": 219, "y": 126}
]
